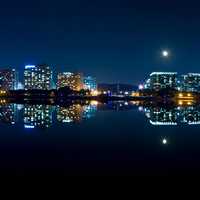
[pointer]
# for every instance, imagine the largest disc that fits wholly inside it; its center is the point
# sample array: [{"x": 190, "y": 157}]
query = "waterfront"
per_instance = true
[{"x": 116, "y": 138}]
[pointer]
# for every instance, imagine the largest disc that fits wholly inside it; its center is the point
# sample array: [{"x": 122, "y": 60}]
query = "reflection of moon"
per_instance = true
[{"x": 164, "y": 141}]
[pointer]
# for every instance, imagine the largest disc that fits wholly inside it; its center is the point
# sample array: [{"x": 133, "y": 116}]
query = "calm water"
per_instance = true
[{"x": 117, "y": 138}]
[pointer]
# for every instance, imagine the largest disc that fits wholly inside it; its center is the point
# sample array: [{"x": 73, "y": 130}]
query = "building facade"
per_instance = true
[
  {"x": 38, "y": 77},
  {"x": 72, "y": 80},
  {"x": 89, "y": 83},
  {"x": 162, "y": 80},
  {"x": 190, "y": 82},
  {"x": 8, "y": 79}
]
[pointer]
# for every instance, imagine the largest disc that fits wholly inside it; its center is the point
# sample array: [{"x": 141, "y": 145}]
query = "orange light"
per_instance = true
[
  {"x": 94, "y": 103},
  {"x": 94, "y": 93},
  {"x": 180, "y": 95},
  {"x": 180, "y": 103}
]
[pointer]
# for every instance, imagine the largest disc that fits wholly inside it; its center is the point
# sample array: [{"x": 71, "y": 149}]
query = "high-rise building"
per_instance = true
[
  {"x": 191, "y": 82},
  {"x": 89, "y": 83},
  {"x": 161, "y": 80},
  {"x": 71, "y": 80},
  {"x": 38, "y": 77},
  {"x": 8, "y": 79}
]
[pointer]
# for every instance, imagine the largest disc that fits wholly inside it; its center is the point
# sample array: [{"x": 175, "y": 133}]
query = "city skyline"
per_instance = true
[{"x": 43, "y": 76}]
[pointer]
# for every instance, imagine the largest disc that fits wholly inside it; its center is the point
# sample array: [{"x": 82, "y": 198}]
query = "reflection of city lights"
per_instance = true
[
  {"x": 180, "y": 103},
  {"x": 126, "y": 103},
  {"x": 180, "y": 95},
  {"x": 29, "y": 127},
  {"x": 94, "y": 103},
  {"x": 140, "y": 108},
  {"x": 19, "y": 107},
  {"x": 135, "y": 94}
]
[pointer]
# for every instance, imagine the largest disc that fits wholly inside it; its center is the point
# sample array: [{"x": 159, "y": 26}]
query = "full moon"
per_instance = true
[{"x": 165, "y": 53}]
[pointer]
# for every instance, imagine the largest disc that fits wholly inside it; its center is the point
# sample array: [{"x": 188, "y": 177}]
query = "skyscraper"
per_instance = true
[
  {"x": 38, "y": 77},
  {"x": 161, "y": 80},
  {"x": 89, "y": 83},
  {"x": 71, "y": 80},
  {"x": 191, "y": 82},
  {"x": 8, "y": 79}
]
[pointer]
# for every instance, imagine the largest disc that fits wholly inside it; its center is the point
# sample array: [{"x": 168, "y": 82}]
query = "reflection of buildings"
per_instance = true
[
  {"x": 72, "y": 113},
  {"x": 38, "y": 77},
  {"x": 37, "y": 116},
  {"x": 163, "y": 116},
  {"x": 89, "y": 111},
  {"x": 117, "y": 106},
  {"x": 8, "y": 113},
  {"x": 75, "y": 113},
  {"x": 71, "y": 80},
  {"x": 8, "y": 79},
  {"x": 161, "y": 80},
  {"x": 191, "y": 115}
]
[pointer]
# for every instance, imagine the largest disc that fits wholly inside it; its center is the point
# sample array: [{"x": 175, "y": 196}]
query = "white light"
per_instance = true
[
  {"x": 29, "y": 127},
  {"x": 140, "y": 109},
  {"x": 165, "y": 53},
  {"x": 141, "y": 87},
  {"x": 164, "y": 141},
  {"x": 30, "y": 66}
]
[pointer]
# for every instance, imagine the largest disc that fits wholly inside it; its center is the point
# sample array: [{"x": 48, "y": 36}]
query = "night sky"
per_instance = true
[{"x": 114, "y": 40}]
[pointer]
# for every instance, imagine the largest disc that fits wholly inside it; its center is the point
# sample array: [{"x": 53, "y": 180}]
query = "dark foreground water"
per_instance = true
[{"x": 117, "y": 138}]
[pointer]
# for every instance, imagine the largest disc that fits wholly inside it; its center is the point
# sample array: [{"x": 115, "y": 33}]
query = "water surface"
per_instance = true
[{"x": 116, "y": 138}]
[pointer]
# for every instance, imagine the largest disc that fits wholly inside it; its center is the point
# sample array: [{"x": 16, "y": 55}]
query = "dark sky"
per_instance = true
[{"x": 114, "y": 40}]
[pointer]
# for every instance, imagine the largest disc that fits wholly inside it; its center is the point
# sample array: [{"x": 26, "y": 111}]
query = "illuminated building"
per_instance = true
[
  {"x": 72, "y": 80},
  {"x": 161, "y": 80},
  {"x": 89, "y": 83},
  {"x": 191, "y": 82},
  {"x": 73, "y": 113},
  {"x": 37, "y": 77},
  {"x": 8, "y": 79},
  {"x": 37, "y": 116}
]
